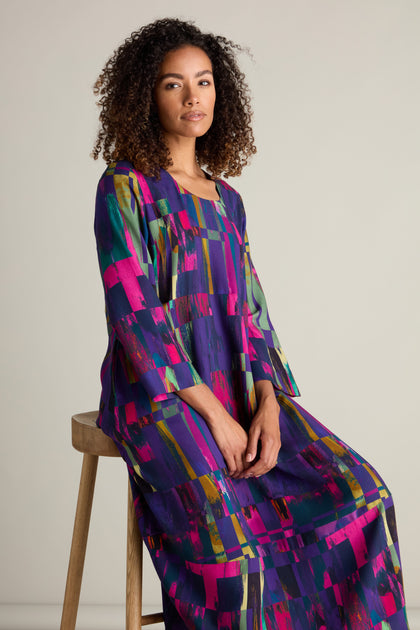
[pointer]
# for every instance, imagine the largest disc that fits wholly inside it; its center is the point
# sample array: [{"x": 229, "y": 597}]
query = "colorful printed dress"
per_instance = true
[{"x": 310, "y": 545}]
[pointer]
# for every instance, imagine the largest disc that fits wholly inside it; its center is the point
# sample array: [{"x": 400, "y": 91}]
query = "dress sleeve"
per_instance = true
[
  {"x": 268, "y": 360},
  {"x": 135, "y": 313}
]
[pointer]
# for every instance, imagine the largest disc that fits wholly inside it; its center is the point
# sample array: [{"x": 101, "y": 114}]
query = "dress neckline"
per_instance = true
[{"x": 184, "y": 190}]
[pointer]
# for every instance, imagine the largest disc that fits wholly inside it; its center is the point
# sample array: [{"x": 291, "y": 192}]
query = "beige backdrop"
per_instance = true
[{"x": 333, "y": 211}]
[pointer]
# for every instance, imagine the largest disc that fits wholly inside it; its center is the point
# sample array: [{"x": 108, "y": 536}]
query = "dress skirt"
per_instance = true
[{"x": 310, "y": 545}]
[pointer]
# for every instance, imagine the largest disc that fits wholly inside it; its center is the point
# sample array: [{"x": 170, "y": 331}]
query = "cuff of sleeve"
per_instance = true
[
  {"x": 280, "y": 375},
  {"x": 263, "y": 371},
  {"x": 163, "y": 382}
]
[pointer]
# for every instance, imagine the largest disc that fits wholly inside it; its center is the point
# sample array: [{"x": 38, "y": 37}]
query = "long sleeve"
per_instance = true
[
  {"x": 136, "y": 317},
  {"x": 268, "y": 360}
]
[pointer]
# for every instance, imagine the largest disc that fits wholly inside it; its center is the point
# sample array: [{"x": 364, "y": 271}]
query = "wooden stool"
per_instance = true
[{"x": 92, "y": 442}]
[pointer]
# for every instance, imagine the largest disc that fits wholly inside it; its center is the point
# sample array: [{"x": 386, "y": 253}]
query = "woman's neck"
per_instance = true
[{"x": 184, "y": 161}]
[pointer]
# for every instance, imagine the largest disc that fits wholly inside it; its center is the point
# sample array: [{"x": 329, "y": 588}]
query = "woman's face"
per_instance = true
[{"x": 185, "y": 92}]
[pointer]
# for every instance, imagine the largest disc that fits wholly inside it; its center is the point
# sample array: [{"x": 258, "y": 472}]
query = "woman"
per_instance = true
[{"x": 255, "y": 514}]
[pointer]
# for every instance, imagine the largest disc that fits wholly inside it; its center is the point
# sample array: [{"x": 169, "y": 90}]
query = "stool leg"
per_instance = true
[
  {"x": 79, "y": 541},
  {"x": 134, "y": 568}
]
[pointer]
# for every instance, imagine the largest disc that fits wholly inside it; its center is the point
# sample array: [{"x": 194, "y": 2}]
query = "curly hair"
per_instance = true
[{"x": 129, "y": 123}]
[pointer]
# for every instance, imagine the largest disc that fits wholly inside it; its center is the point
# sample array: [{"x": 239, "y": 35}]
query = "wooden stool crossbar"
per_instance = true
[{"x": 93, "y": 443}]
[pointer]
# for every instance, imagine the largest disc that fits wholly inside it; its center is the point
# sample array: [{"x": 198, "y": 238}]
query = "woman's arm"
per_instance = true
[
  {"x": 265, "y": 391},
  {"x": 268, "y": 361},
  {"x": 156, "y": 357}
]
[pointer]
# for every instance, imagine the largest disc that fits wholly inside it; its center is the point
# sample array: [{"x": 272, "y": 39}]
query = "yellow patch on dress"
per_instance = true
[
  {"x": 173, "y": 445},
  {"x": 207, "y": 259}
]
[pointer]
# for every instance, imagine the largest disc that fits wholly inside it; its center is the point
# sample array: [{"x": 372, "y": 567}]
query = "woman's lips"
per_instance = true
[{"x": 193, "y": 116}]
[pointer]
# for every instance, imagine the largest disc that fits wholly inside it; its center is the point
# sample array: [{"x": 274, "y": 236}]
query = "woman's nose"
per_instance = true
[{"x": 191, "y": 98}]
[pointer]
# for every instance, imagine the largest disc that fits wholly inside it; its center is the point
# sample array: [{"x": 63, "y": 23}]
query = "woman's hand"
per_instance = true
[
  {"x": 265, "y": 428},
  {"x": 237, "y": 447},
  {"x": 230, "y": 437},
  {"x": 232, "y": 441}
]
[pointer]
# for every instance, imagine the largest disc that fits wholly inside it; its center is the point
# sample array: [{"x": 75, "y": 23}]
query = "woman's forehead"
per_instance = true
[{"x": 187, "y": 57}]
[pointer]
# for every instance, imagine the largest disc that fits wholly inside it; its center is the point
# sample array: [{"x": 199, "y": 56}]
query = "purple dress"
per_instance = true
[{"x": 310, "y": 545}]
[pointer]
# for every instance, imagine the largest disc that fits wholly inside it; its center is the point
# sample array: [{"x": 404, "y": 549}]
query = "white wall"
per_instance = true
[{"x": 333, "y": 213}]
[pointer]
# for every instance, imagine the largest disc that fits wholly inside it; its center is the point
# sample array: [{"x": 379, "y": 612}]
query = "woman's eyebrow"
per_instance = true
[{"x": 175, "y": 75}]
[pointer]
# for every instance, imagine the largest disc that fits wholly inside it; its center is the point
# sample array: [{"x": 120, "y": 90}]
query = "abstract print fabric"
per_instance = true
[{"x": 310, "y": 545}]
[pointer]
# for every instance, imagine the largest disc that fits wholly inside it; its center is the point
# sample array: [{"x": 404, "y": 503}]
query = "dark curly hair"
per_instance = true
[{"x": 130, "y": 128}]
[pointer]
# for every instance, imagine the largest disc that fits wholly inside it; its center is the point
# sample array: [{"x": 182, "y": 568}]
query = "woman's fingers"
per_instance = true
[
  {"x": 231, "y": 463},
  {"x": 251, "y": 451},
  {"x": 232, "y": 441},
  {"x": 267, "y": 460},
  {"x": 239, "y": 466},
  {"x": 234, "y": 463}
]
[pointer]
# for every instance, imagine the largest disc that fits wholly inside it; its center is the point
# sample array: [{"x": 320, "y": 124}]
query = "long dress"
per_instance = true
[{"x": 310, "y": 545}]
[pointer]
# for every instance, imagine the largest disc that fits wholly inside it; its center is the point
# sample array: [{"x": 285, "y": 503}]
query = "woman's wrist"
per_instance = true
[{"x": 265, "y": 392}]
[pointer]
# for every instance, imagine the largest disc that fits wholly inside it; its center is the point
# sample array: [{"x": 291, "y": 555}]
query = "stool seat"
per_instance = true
[
  {"x": 93, "y": 443},
  {"x": 86, "y": 437}
]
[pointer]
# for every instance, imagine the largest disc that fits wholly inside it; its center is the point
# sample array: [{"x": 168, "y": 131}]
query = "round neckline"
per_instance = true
[{"x": 184, "y": 190}]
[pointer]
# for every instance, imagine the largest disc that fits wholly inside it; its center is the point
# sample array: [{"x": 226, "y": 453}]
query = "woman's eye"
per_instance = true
[
  {"x": 170, "y": 86},
  {"x": 204, "y": 82}
]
